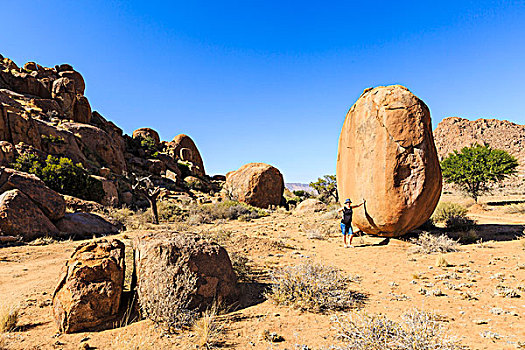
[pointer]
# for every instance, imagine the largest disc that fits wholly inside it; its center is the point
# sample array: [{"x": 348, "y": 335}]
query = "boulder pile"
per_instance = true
[{"x": 388, "y": 157}]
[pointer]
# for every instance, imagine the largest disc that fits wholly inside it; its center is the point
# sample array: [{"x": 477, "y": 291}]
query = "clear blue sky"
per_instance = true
[{"x": 271, "y": 81}]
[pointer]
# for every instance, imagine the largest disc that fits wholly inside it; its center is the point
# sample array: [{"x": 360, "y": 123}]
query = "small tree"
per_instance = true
[
  {"x": 475, "y": 167},
  {"x": 145, "y": 188},
  {"x": 326, "y": 186}
]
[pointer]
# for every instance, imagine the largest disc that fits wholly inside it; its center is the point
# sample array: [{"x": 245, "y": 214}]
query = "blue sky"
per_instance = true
[{"x": 271, "y": 81}]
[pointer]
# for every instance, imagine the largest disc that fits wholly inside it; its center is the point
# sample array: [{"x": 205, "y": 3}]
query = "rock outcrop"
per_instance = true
[
  {"x": 257, "y": 184},
  {"x": 388, "y": 157},
  {"x": 455, "y": 133},
  {"x": 147, "y": 133},
  {"x": 48, "y": 201},
  {"x": 173, "y": 254},
  {"x": 185, "y": 149},
  {"x": 89, "y": 291}
]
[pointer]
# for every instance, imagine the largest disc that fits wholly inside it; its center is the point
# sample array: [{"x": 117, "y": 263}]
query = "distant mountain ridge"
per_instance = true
[
  {"x": 454, "y": 133},
  {"x": 296, "y": 186}
]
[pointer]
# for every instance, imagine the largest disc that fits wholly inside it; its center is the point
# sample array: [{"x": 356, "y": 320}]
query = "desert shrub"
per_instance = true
[
  {"x": 8, "y": 319},
  {"x": 459, "y": 223},
  {"x": 165, "y": 294},
  {"x": 428, "y": 243},
  {"x": 418, "y": 330},
  {"x": 132, "y": 220},
  {"x": 446, "y": 210},
  {"x": 62, "y": 175},
  {"x": 241, "y": 266},
  {"x": 147, "y": 144},
  {"x": 169, "y": 211},
  {"x": 231, "y": 210},
  {"x": 427, "y": 225},
  {"x": 515, "y": 208},
  {"x": 52, "y": 139},
  {"x": 313, "y": 287}
]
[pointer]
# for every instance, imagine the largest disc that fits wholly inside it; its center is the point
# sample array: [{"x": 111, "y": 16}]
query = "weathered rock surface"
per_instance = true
[
  {"x": 147, "y": 133},
  {"x": 455, "y": 133},
  {"x": 388, "y": 157},
  {"x": 51, "y": 203},
  {"x": 190, "y": 153},
  {"x": 20, "y": 216},
  {"x": 109, "y": 187},
  {"x": 174, "y": 252},
  {"x": 310, "y": 205},
  {"x": 84, "y": 225},
  {"x": 257, "y": 184},
  {"x": 7, "y": 153},
  {"x": 98, "y": 142},
  {"x": 88, "y": 294}
]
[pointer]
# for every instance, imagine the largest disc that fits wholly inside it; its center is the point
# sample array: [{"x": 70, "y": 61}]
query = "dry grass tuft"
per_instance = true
[
  {"x": 428, "y": 243},
  {"x": 164, "y": 295},
  {"x": 8, "y": 319},
  {"x": 446, "y": 210},
  {"x": 230, "y": 210},
  {"x": 241, "y": 266},
  {"x": 208, "y": 329},
  {"x": 515, "y": 208},
  {"x": 418, "y": 331},
  {"x": 442, "y": 262},
  {"x": 314, "y": 287}
]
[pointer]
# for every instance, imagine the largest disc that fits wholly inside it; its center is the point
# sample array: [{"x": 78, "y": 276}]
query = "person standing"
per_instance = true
[{"x": 346, "y": 221}]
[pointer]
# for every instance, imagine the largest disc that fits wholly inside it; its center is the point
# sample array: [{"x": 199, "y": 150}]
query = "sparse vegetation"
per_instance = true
[
  {"x": 326, "y": 186},
  {"x": 208, "y": 329},
  {"x": 473, "y": 168},
  {"x": 314, "y": 287},
  {"x": 460, "y": 223},
  {"x": 231, "y": 210},
  {"x": 62, "y": 175},
  {"x": 418, "y": 330},
  {"x": 428, "y": 243},
  {"x": 8, "y": 318},
  {"x": 165, "y": 295},
  {"x": 446, "y": 210}
]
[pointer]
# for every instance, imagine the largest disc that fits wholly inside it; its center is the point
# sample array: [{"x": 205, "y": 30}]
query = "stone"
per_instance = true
[
  {"x": 7, "y": 153},
  {"x": 63, "y": 91},
  {"x": 84, "y": 225},
  {"x": 156, "y": 166},
  {"x": 173, "y": 176},
  {"x": 177, "y": 251},
  {"x": 310, "y": 205},
  {"x": 77, "y": 79},
  {"x": 16, "y": 126},
  {"x": 198, "y": 184},
  {"x": 147, "y": 133},
  {"x": 50, "y": 202},
  {"x": 388, "y": 157},
  {"x": 20, "y": 216},
  {"x": 60, "y": 142},
  {"x": 257, "y": 184},
  {"x": 75, "y": 204},
  {"x": 109, "y": 187},
  {"x": 81, "y": 110},
  {"x": 95, "y": 141},
  {"x": 191, "y": 154},
  {"x": 127, "y": 198},
  {"x": 90, "y": 288},
  {"x": 23, "y": 83}
]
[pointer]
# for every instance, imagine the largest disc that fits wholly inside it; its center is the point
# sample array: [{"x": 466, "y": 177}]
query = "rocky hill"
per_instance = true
[{"x": 455, "y": 133}]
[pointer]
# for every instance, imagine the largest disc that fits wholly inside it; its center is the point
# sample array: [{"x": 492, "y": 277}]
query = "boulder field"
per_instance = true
[{"x": 387, "y": 156}]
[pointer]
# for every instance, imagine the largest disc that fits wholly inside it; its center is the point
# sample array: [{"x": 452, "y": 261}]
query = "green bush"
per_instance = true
[
  {"x": 147, "y": 144},
  {"x": 62, "y": 175},
  {"x": 446, "y": 210}
]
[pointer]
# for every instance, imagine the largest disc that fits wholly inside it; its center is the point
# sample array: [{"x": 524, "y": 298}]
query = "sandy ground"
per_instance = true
[{"x": 391, "y": 277}]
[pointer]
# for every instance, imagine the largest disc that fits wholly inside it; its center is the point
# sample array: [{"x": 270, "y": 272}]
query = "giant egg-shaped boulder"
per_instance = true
[{"x": 388, "y": 157}]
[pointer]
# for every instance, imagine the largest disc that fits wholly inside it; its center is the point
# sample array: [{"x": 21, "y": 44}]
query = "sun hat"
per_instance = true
[{"x": 348, "y": 201}]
